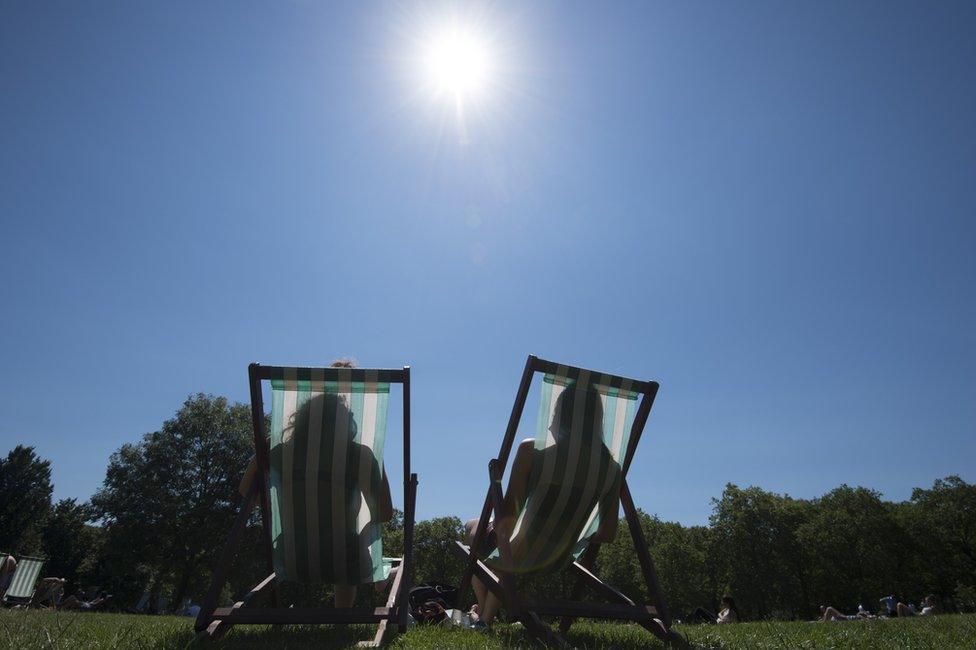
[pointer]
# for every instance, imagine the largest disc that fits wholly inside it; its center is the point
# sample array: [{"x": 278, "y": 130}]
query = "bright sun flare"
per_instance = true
[{"x": 457, "y": 63}]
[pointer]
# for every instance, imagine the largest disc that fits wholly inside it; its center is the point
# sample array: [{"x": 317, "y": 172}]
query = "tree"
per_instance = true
[
  {"x": 168, "y": 501},
  {"x": 853, "y": 548},
  {"x": 67, "y": 540},
  {"x": 755, "y": 551},
  {"x": 393, "y": 535},
  {"x": 434, "y": 559},
  {"x": 942, "y": 521},
  {"x": 25, "y": 498}
]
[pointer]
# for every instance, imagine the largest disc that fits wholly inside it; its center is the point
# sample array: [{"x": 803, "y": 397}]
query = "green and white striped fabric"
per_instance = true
[
  {"x": 25, "y": 577},
  {"x": 327, "y": 442},
  {"x": 581, "y": 440}
]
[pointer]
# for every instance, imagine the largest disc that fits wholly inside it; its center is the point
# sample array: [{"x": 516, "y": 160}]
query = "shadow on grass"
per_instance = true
[{"x": 286, "y": 636}]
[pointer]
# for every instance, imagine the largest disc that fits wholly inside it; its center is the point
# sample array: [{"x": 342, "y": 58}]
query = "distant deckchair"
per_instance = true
[
  {"x": 555, "y": 527},
  {"x": 21, "y": 589},
  {"x": 316, "y": 480}
]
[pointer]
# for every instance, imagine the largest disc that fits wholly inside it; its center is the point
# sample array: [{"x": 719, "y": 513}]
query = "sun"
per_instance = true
[{"x": 457, "y": 63}]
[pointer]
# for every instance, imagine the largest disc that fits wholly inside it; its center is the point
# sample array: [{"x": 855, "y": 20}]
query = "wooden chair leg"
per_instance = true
[
  {"x": 406, "y": 566},
  {"x": 216, "y": 629},
  {"x": 391, "y": 600},
  {"x": 541, "y": 631},
  {"x": 644, "y": 555},
  {"x": 226, "y": 558},
  {"x": 481, "y": 571},
  {"x": 589, "y": 557}
]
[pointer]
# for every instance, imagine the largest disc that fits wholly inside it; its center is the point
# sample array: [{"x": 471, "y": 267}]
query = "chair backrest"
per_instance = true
[
  {"x": 583, "y": 436},
  {"x": 25, "y": 577},
  {"x": 326, "y": 475}
]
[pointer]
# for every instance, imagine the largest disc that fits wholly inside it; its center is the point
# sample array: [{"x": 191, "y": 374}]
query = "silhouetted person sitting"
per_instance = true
[
  {"x": 359, "y": 461},
  {"x": 528, "y": 478}
]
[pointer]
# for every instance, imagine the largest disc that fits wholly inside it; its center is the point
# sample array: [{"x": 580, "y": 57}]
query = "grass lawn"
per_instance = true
[{"x": 40, "y": 629}]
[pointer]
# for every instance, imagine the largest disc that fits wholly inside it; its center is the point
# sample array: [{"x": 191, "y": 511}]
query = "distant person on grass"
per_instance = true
[
  {"x": 828, "y": 613},
  {"x": 78, "y": 603},
  {"x": 525, "y": 479},
  {"x": 49, "y": 593},
  {"x": 7, "y": 567},
  {"x": 930, "y": 607},
  {"x": 729, "y": 613}
]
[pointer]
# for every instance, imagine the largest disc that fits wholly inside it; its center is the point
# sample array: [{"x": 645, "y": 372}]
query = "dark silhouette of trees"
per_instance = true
[
  {"x": 69, "y": 543},
  {"x": 25, "y": 498},
  {"x": 168, "y": 501}
]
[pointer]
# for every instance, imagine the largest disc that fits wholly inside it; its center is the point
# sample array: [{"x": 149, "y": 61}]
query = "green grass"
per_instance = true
[{"x": 40, "y": 629}]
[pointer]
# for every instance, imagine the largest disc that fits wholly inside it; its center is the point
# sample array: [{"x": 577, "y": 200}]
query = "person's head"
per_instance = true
[
  {"x": 564, "y": 413},
  {"x": 729, "y": 603},
  {"x": 930, "y": 601},
  {"x": 334, "y": 411}
]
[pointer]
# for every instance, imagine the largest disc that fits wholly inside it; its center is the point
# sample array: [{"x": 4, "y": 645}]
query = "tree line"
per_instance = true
[{"x": 160, "y": 518}]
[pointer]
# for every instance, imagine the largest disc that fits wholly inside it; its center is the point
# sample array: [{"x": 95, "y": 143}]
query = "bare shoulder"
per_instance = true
[{"x": 524, "y": 450}]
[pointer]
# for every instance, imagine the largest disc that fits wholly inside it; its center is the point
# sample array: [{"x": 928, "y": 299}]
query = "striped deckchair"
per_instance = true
[
  {"x": 317, "y": 476},
  {"x": 21, "y": 588},
  {"x": 587, "y": 430}
]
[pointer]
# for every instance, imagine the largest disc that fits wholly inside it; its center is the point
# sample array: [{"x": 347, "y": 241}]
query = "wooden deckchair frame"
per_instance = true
[
  {"x": 653, "y": 616},
  {"x": 214, "y": 621}
]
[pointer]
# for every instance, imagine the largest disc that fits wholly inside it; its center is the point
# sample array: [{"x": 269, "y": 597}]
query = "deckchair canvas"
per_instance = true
[
  {"x": 318, "y": 479},
  {"x": 21, "y": 588},
  {"x": 587, "y": 430},
  {"x": 561, "y": 513}
]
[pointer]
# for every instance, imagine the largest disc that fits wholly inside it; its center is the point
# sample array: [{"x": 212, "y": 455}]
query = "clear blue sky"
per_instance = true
[{"x": 768, "y": 207}]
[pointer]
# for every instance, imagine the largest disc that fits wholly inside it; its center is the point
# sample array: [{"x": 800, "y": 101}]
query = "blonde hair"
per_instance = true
[{"x": 343, "y": 362}]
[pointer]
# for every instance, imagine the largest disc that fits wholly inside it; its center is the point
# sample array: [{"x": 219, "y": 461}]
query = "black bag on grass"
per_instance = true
[{"x": 429, "y": 600}]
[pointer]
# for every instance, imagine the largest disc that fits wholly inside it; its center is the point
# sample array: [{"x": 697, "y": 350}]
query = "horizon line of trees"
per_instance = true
[{"x": 159, "y": 521}]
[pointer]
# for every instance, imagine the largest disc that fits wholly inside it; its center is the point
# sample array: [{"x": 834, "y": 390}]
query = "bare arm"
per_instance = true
[
  {"x": 609, "y": 511},
  {"x": 518, "y": 481},
  {"x": 386, "y": 501}
]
